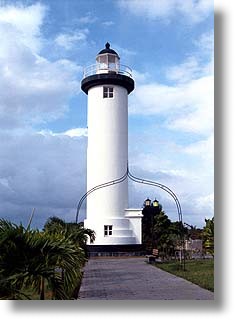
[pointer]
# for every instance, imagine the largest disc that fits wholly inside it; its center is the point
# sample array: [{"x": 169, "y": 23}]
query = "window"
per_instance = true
[
  {"x": 107, "y": 92},
  {"x": 108, "y": 230}
]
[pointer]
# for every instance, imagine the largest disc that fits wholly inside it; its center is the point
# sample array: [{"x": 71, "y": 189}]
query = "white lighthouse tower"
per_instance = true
[{"x": 108, "y": 84}]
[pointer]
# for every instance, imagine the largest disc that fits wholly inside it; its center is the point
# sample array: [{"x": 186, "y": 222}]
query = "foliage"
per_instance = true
[
  {"x": 31, "y": 259},
  {"x": 159, "y": 232},
  {"x": 208, "y": 236},
  {"x": 73, "y": 231}
]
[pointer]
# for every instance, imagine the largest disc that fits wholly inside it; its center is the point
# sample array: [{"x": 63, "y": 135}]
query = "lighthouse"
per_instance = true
[{"x": 107, "y": 84}]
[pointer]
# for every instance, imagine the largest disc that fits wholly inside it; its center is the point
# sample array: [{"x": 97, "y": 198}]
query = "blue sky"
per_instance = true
[{"x": 43, "y": 113}]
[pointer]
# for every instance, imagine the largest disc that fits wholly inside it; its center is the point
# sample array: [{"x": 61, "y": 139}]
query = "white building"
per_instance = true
[{"x": 108, "y": 84}]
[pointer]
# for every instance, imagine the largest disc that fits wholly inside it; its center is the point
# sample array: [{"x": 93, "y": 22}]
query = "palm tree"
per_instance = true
[
  {"x": 74, "y": 231},
  {"x": 30, "y": 259}
]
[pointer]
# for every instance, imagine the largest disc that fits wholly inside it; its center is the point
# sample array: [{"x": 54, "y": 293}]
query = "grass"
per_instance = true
[{"x": 200, "y": 272}]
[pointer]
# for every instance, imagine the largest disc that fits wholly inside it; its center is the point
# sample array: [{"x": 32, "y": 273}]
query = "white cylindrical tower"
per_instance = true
[{"x": 107, "y": 84}]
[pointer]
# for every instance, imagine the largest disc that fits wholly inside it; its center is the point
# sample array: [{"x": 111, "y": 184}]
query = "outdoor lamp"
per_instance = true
[
  {"x": 147, "y": 202},
  {"x": 155, "y": 203}
]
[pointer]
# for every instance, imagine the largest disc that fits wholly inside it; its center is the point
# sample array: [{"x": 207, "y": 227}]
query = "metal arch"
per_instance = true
[
  {"x": 142, "y": 181},
  {"x": 135, "y": 179}
]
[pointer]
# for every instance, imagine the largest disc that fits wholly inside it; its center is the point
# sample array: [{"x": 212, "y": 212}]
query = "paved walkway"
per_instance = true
[{"x": 134, "y": 279}]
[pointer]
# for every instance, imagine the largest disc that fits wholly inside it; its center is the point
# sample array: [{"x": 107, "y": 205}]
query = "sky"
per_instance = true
[{"x": 43, "y": 113}]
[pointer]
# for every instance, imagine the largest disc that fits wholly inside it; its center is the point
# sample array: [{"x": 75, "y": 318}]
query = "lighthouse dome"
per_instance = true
[
  {"x": 108, "y": 50},
  {"x": 107, "y": 70}
]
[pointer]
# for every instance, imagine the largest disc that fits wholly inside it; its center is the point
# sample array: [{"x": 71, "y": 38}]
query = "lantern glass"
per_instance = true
[
  {"x": 147, "y": 202},
  {"x": 155, "y": 203}
]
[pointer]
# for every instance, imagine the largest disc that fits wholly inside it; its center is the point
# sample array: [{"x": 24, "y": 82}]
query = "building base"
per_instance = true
[{"x": 115, "y": 250}]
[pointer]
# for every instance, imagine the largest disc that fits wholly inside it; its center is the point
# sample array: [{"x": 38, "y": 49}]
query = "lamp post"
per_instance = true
[{"x": 152, "y": 209}]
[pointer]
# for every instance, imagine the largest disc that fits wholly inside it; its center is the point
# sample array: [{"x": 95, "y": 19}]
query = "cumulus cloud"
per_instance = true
[
  {"x": 41, "y": 170},
  {"x": 76, "y": 132},
  {"x": 33, "y": 89},
  {"x": 46, "y": 170},
  {"x": 25, "y": 22},
  {"x": 196, "y": 203},
  {"x": 204, "y": 202},
  {"x": 202, "y": 149},
  {"x": 140, "y": 78},
  {"x": 199, "y": 63},
  {"x": 69, "y": 40},
  {"x": 187, "y": 107},
  {"x": 205, "y": 43},
  {"x": 179, "y": 166},
  {"x": 193, "y": 11},
  {"x": 183, "y": 106},
  {"x": 199, "y": 108},
  {"x": 184, "y": 166},
  {"x": 185, "y": 71},
  {"x": 186, "y": 103}
]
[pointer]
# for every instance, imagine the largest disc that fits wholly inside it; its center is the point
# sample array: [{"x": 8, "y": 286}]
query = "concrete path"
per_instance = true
[{"x": 134, "y": 279}]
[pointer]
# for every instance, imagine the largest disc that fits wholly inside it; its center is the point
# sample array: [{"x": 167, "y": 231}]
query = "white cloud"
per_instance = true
[
  {"x": 198, "y": 117},
  {"x": 188, "y": 70},
  {"x": 187, "y": 103},
  {"x": 206, "y": 202},
  {"x": 199, "y": 64},
  {"x": 193, "y": 191},
  {"x": 33, "y": 89},
  {"x": 184, "y": 106},
  {"x": 206, "y": 42},
  {"x": 87, "y": 19},
  {"x": 140, "y": 78},
  {"x": 187, "y": 107},
  {"x": 68, "y": 41},
  {"x": 45, "y": 171},
  {"x": 76, "y": 132},
  {"x": 25, "y": 22},
  {"x": 202, "y": 149},
  {"x": 108, "y": 23},
  {"x": 192, "y": 10}
]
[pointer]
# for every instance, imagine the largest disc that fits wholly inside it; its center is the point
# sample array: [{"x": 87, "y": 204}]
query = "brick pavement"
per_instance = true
[{"x": 134, "y": 279}]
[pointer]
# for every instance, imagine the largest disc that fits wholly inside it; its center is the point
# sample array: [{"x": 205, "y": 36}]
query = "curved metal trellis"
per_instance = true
[
  {"x": 135, "y": 179},
  {"x": 141, "y": 181}
]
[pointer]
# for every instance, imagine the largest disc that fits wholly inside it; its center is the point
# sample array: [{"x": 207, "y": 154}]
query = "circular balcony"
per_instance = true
[
  {"x": 107, "y": 69},
  {"x": 112, "y": 73}
]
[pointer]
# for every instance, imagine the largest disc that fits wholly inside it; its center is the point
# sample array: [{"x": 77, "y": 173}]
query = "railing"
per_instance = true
[{"x": 104, "y": 69}]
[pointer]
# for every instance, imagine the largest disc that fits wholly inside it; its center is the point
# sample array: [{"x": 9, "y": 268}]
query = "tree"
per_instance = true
[
  {"x": 32, "y": 259},
  {"x": 159, "y": 232},
  {"x": 74, "y": 231},
  {"x": 208, "y": 236}
]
